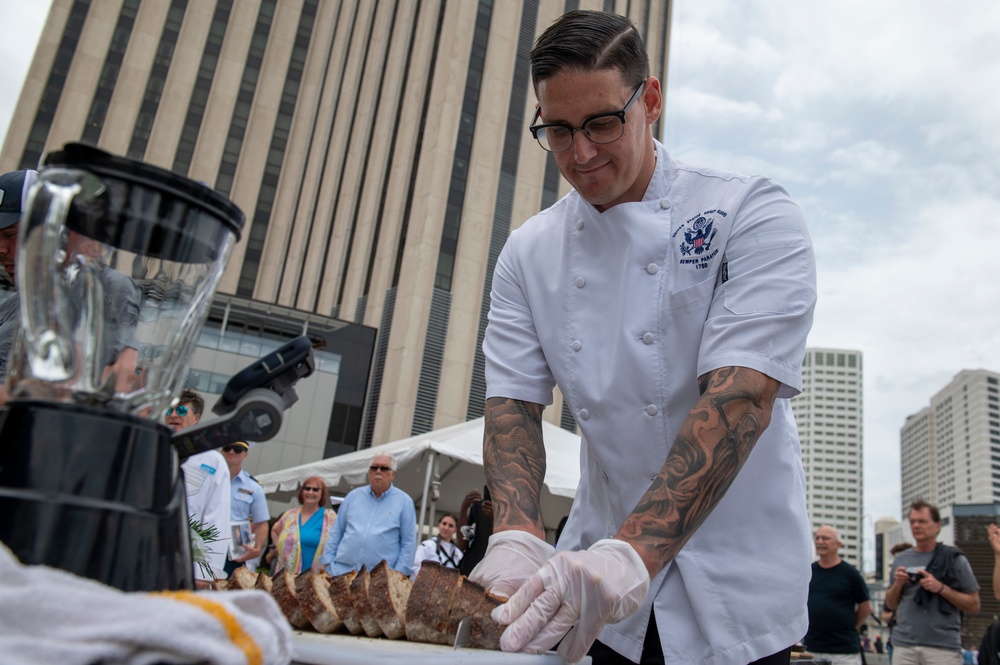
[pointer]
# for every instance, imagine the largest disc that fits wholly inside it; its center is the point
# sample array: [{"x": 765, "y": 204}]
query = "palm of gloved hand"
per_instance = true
[
  {"x": 601, "y": 585},
  {"x": 511, "y": 558}
]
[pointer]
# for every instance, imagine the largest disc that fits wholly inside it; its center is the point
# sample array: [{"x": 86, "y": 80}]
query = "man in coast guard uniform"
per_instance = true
[
  {"x": 247, "y": 503},
  {"x": 670, "y": 304}
]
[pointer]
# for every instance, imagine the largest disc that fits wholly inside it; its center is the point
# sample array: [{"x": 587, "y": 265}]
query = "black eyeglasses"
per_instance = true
[
  {"x": 602, "y": 128},
  {"x": 181, "y": 410},
  {"x": 378, "y": 467},
  {"x": 234, "y": 449},
  {"x": 312, "y": 489}
]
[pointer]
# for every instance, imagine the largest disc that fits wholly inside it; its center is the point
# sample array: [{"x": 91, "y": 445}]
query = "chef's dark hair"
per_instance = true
[{"x": 590, "y": 41}]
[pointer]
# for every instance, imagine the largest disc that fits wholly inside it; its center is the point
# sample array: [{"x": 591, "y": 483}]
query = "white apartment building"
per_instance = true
[
  {"x": 829, "y": 414},
  {"x": 950, "y": 450}
]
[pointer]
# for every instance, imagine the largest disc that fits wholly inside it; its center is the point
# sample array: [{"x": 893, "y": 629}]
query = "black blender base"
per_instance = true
[{"x": 94, "y": 493}]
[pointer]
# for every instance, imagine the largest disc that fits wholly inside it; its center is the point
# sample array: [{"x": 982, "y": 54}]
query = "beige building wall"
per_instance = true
[{"x": 363, "y": 168}]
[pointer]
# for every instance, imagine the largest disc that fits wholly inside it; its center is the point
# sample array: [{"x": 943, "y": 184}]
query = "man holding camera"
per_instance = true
[{"x": 932, "y": 586}]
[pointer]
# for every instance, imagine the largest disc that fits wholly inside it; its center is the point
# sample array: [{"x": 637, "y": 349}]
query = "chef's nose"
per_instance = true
[{"x": 583, "y": 148}]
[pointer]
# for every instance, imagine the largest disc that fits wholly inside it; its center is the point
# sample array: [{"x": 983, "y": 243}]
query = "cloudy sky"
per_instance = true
[{"x": 883, "y": 121}]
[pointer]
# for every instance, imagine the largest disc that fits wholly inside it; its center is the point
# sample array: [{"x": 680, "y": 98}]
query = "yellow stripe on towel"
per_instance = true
[{"x": 237, "y": 635}]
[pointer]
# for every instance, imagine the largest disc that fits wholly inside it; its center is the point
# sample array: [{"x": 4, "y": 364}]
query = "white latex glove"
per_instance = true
[
  {"x": 511, "y": 558},
  {"x": 604, "y": 584}
]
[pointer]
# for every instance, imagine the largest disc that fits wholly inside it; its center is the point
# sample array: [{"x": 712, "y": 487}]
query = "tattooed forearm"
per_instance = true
[
  {"x": 514, "y": 461},
  {"x": 710, "y": 449}
]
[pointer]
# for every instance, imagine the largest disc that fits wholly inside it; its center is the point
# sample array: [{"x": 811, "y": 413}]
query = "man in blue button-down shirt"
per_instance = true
[{"x": 374, "y": 522}]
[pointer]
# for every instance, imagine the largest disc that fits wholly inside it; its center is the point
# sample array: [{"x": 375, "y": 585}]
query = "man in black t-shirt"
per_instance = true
[
  {"x": 476, "y": 520},
  {"x": 838, "y": 603}
]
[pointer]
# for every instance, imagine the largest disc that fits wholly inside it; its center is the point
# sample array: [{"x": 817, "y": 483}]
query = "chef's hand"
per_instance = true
[
  {"x": 601, "y": 585},
  {"x": 511, "y": 558}
]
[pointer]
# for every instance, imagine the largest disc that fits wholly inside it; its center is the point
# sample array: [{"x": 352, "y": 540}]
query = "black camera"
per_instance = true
[{"x": 914, "y": 573}]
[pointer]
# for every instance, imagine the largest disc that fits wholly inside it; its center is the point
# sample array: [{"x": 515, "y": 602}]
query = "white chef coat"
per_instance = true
[
  {"x": 206, "y": 479},
  {"x": 624, "y": 310}
]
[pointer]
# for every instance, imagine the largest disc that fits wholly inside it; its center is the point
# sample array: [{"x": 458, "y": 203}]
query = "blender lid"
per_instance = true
[{"x": 145, "y": 208}]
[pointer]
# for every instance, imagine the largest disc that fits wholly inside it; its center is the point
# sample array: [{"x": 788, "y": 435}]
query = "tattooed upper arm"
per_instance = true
[{"x": 514, "y": 462}]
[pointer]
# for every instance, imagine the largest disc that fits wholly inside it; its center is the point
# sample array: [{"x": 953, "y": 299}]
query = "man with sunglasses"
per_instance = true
[
  {"x": 206, "y": 478},
  {"x": 670, "y": 304},
  {"x": 375, "y": 522},
  {"x": 246, "y": 504}
]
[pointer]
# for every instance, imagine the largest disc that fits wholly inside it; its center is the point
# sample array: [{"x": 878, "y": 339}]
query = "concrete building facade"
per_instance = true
[
  {"x": 829, "y": 413},
  {"x": 950, "y": 450},
  {"x": 379, "y": 149}
]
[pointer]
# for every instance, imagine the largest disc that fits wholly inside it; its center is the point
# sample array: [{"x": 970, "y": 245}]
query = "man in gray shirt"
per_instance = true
[
  {"x": 14, "y": 188},
  {"x": 932, "y": 586}
]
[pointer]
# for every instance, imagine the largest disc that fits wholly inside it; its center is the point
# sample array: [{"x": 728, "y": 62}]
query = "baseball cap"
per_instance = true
[
  {"x": 243, "y": 444},
  {"x": 14, "y": 188}
]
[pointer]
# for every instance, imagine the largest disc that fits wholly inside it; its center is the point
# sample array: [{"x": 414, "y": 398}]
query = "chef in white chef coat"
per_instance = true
[{"x": 670, "y": 304}]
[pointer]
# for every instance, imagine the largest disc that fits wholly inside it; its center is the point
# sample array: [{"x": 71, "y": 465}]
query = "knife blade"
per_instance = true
[{"x": 462, "y": 634}]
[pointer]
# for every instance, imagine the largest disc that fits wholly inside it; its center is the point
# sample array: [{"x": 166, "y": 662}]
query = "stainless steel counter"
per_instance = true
[{"x": 340, "y": 649}]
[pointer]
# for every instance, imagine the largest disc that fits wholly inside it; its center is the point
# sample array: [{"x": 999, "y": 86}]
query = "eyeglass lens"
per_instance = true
[
  {"x": 311, "y": 489},
  {"x": 376, "y": 467},
  {"x": 601, "y": 129},
  {"x": 233, "y": 449},
  {"x": 181, "y": 410}
]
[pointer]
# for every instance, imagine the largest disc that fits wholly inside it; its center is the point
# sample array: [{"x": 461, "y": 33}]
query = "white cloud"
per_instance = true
[
  {"x": 882, "y": 121},
  {"x": 23, "y": 22},
  {"x": 864, "y": 160}
]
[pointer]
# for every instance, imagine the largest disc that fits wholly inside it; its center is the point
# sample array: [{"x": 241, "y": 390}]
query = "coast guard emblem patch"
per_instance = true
[{"x": 696, "y": 237}]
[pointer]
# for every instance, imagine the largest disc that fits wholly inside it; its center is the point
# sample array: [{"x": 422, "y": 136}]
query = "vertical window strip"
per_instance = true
[
  {"x": 433, "y": 360},
  {"x": 52, "y": 92},
  {"x": 378, "y": 369},
  {"x": 157, "y": 79},
  {"x": 276, "y": 152},
  {"x": 202, "y": 86},
  {"x": 364, "y": 168},
  {"x": 328, "y": 236},
  {"x": 392, "y": 151},
  {"x": 550, "y": 183},
  {"x": 320, "y": 142},
  {"x": 463, "y": 151},
  {"x": 244, "y": 99},
  {"x": 664, "y": 53},
  {"x": 503, "y": 210},
  {"x": 414, "y": 166},
  {"x": 109, "y": 73}
]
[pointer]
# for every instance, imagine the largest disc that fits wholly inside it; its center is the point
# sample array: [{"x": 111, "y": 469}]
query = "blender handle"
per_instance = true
[
  {"x": 257, "y": 417},
  {"x": 253, "y": 401}
]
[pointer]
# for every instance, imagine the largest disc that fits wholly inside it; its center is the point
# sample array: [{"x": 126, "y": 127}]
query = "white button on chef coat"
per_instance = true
[{"x": 755, "y": 313}]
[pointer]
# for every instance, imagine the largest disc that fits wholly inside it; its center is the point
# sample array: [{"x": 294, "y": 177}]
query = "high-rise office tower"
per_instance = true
[
  {"x": 950, "y": 450},
  {"x": 829, "y": 414},
  {"x": 378, "y": 147}
]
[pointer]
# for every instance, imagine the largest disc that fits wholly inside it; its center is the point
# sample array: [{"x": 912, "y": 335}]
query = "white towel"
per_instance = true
[{"x": 51, "y": 616}]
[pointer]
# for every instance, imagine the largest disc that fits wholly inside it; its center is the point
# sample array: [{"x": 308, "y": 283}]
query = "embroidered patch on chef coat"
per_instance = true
[{"x": 696, "y": 237}]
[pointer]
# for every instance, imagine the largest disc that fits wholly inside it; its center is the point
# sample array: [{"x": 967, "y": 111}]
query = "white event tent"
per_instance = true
[{"x": 438, "y": 469}]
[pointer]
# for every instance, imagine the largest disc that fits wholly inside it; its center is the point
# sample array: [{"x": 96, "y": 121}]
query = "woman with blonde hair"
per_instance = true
[{"x": 301, "y": 532}]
